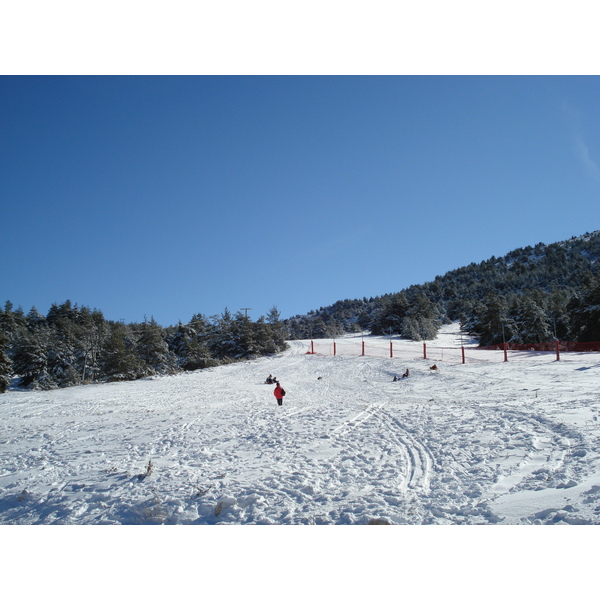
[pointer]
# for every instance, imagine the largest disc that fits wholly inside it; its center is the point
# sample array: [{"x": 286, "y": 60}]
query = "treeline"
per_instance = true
[
  {"x": 533, "y": 294},
  {"x": 72, "y": 345}
]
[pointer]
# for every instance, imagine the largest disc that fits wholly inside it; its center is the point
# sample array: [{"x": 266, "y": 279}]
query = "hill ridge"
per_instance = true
[{"x": 536, "y": 289}]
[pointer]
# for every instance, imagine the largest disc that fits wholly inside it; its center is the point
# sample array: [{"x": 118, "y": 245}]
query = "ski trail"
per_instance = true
[
  {"x": 418, "y": 458},
  {"x": 356, "y": 420}
]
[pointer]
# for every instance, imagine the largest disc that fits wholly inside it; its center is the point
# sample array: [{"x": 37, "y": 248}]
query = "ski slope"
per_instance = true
[{"x": 486, "y": 442}]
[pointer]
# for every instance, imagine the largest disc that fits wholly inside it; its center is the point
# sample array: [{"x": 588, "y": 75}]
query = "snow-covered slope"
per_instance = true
[{"x": 486, "y": 442}]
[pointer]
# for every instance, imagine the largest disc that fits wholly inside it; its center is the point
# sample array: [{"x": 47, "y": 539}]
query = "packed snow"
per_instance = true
[{"x": 485, "y": 442}]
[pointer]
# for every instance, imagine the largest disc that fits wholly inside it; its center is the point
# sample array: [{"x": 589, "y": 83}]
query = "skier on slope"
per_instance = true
[{"x": 279, "y": 393}]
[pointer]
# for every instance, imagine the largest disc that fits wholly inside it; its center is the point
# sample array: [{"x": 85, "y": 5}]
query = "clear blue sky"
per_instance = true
[{"x": 170, "y": 196}]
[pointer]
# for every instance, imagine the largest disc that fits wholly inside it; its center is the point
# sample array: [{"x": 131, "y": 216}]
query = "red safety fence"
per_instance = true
[
  {"x": 382, "y": 349},
  {"x": 555, "y": 346},
  {"x": 458, "y": 354},
  {"x": 548, "y": 347},
  {"x": 579, "y": 346}
]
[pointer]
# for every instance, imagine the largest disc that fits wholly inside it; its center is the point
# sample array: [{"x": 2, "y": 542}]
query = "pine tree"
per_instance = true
[
  {"x": 64, "y": 345},
  {"x": 118, "y": 359},
  {"x": 152, "y": 348},
  {"x": 197, "y": 356},
  {"x": 177, "y": 338},
  {"x": 242, "y": 337},
  {"x": 557, "y": 313},
  {"x": 91, "y": 345},
  {"x": 389, "y": 318},
  {"x": 422, "y": 320},
  {"x": 410, "y": 329},
  {"x": 30, "y": 360},
  {"x": 34, "y": 319},
  {"x": 5, "y": 364},
  {"x": 492, "y": 324},
  {"x": 531, "y": 323},
  {"x": 222, "y": 343},
  {"x": 62, "y": 359},
  {"x": 585, "y": 311},
  {"x": 189, "y": 343},
  {"x": 12, "y": 322},
  {"x": 276, "y": 330}
]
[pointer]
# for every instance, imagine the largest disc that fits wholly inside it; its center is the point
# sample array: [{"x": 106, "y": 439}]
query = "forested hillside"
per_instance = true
[
  {"x": 533, "y": 294},
  {"x": 73, "y": 345}
]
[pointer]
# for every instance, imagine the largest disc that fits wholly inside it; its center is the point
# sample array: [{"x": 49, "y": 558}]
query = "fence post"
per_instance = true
[
  {"x": 363, "y": 348},
  {"x": 557, "y": 350},
  {"x": 505, "y": 352},
  {"x": 334, "y": 349},
  {"x": 391, "y": 351},
  {"x": 312, "y": 347},
  {"x": 463, "y": 354},
  {"x": 425, "y": 351}
]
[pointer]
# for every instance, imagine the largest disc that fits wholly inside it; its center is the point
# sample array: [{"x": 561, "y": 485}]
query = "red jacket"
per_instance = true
[{"x": 279, "y": 392}]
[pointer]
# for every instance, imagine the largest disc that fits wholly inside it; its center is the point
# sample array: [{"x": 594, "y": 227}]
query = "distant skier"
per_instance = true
[
  {"x": 405, "y": 374},
  {"x": 269, "y": 379},
  {"x": 279, "y": 393}
]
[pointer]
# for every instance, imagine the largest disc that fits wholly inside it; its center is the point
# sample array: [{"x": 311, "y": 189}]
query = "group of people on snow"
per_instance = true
[
  {"x": 432, "y": 368},
  {"x": 278, "y": 392},
  {"x": 404, "y": 376}
]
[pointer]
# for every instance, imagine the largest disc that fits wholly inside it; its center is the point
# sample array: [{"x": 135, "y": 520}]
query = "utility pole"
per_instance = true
[{"x": 246, "y": 311}]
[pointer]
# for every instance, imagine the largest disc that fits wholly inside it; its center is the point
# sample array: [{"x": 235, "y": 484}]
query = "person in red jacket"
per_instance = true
[{"x": 279, "y": 393}]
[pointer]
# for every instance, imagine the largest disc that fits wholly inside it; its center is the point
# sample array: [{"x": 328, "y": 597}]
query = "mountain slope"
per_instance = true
[{"x": 531, "y": 290}]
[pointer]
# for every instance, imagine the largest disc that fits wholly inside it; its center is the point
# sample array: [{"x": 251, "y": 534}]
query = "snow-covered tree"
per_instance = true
[
  {"x": 276, "y": 329},
  {"x": 390, "y": 316},
  {"x": 30, "y": 360},
  {"x": 118, "y": 359},
  {"x": 34, "y": 319},
  {"x": 531, "y": 323},
  {"x": 5, "y": 364},
  {"x": 153, "y": 349},
  {"x": 222, "y": 342},
  {"x": 584, "y": 309}
]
